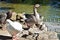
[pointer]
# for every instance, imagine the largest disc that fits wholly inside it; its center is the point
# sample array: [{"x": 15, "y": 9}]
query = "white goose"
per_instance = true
[{"x": 13, "y": 27}]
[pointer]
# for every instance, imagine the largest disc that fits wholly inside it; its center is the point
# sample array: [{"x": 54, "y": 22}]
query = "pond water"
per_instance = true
[{"x": 53, "y": 14}]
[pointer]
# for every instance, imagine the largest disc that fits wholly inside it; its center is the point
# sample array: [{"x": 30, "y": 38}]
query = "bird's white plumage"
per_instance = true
[
  {"x": 17, "y": 26},
  {"x": 13, "y": 27},
  {"x": 37, "y": 16}
]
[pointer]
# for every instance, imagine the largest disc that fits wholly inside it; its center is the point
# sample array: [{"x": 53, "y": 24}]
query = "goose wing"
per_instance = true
[{"x": 13, "y": 27}]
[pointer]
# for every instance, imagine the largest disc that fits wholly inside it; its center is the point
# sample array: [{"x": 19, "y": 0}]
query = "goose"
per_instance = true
[
  {"x": 33, "y": 18},
  {"x": 2, "y": 20},
  {"x": 36, "y": 14},
  {"x": 13, "y": 27},
  {"x": 36, "y": 17},
  {"x": 4, "y": 17}
]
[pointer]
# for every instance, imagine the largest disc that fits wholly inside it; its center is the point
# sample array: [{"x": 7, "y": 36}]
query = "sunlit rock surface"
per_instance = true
[{"x": 41, "y": 36}]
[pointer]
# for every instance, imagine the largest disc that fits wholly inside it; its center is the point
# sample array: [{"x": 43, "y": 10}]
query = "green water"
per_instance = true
[
  {"x": 52, "y": 13},
  {"x": 45, "y": 10}
]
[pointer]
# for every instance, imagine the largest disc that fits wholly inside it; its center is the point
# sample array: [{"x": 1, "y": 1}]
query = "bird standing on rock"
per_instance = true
[
  {"x": 3, "y": 20},
  {"x": 36, "y": 14}
]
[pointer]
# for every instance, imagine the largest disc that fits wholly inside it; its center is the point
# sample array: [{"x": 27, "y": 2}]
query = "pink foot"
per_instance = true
[
  {"x": 15, "y": 38},
  {"x": 3, "y": 28}
]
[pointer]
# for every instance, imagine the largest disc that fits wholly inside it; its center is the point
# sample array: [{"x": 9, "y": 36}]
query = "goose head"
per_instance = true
[{"x": 36, "y": 5}]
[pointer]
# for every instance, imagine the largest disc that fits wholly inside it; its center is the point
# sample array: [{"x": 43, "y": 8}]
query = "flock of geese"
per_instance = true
[{"x": 14, "y": 27}]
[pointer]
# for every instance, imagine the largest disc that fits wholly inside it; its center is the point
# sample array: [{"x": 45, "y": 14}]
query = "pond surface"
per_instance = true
[{"x": 52, "y": 14}]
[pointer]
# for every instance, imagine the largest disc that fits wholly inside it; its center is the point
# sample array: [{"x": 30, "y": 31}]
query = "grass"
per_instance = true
[{"x": 18, "y": 7}]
